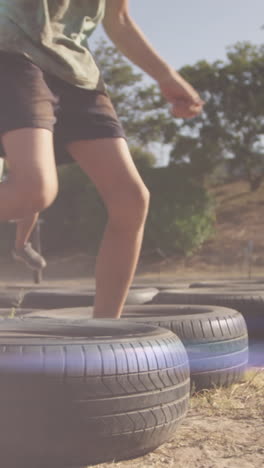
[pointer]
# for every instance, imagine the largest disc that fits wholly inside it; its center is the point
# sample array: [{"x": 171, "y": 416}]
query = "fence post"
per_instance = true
[
  {"x": 248, "y": 257},
  {"x": 36, "y": 242}
]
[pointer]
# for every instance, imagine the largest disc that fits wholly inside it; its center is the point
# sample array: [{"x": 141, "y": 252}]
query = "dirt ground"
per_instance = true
[
  {"x": 78, "y": 269},
  {"x": 223, "y": 429}
]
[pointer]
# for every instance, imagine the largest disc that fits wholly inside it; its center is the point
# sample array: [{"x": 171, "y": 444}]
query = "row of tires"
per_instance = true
[
  {"x": 246, "y": 298},
  {"x": 92, "y": 391},
  {"x": 215, "y": 338}
]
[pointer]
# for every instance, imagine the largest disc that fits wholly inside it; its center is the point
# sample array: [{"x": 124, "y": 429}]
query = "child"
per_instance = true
[{"x": 55, "y": 94}]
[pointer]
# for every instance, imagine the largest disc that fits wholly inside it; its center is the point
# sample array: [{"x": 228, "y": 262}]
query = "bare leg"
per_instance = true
[
  {"x": 110, "y": 167},
  {"x": 23, "y": 251},
  {"x": 24, "y": 228},
  {"x": 32, "y": 183}
]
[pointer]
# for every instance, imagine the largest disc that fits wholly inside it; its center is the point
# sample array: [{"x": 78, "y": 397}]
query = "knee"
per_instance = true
[
  {"x": 38, "y": 196},
  {"x": 43, "y": 199},
  {"x": 45, "y": 193},
  {"x": 130, "y": 210},
  {"x": 140, "y": 210}
]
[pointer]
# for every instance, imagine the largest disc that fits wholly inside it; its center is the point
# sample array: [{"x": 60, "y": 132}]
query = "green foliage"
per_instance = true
[
  {"x": 121, "y": 80},
  {"x": 142, "y": 158},
  {"x": 231, "y": 128},
  {"x": 181, "y": 213}
]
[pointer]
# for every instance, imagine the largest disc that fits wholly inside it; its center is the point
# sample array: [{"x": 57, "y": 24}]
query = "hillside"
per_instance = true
[{"x": 237, "y": 245}]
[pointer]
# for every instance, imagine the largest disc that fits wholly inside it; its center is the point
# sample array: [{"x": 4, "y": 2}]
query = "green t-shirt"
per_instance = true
[{"x": 53, "y": 34}]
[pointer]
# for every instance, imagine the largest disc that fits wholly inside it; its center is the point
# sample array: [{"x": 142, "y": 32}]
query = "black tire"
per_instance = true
[
  {"x": 256, "y": 355},
  {"x": 215, "y": 339},
  {"x": 53, "y": 299},
  {"x": 73, "y": 394},
  {"x": 250, "y": 305},
  {"x": 236, "y": 287},
  {"x": 228, "y": 284},
  {"x": 10, "y": 299},
  {"x": 164, "y": 286}
]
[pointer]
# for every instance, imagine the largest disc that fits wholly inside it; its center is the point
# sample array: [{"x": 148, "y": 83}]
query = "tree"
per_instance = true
[
  {"x": 231, "y": 128},
  {"x": 181, "y": 215},
  {"x": 143, "y": 159},
  {"x": 244, "y": 107},
  {"x": 121, "y": 80}
]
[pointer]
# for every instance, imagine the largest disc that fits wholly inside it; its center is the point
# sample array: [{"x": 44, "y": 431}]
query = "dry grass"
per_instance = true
[
  {"x": 240, "y": 400},
  {"x": 224, "y": 429}
]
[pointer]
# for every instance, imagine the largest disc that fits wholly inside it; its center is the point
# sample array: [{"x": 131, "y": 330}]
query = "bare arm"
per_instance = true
[{"x": 130, "y": 40}]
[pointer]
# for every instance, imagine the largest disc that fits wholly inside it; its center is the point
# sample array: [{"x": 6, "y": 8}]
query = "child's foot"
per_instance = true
[{"x": 30, "y": 257}]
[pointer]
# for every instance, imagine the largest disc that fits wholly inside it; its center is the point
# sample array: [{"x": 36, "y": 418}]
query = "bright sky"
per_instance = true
[{"x": 184, "y": 32}]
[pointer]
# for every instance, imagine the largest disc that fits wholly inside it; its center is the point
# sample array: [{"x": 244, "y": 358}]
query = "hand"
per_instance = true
[{"x": 186, "y": 102}]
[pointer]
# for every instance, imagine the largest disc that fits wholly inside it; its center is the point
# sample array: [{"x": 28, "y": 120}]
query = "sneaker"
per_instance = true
[{"x": 30, "y": 257}]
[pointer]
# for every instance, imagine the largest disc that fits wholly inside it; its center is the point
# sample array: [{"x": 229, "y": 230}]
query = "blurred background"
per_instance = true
[{"x": 205, "y": 175}]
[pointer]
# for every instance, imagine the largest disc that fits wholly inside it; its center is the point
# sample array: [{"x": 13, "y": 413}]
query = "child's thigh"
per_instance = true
[{"x": 30, "y": 157}]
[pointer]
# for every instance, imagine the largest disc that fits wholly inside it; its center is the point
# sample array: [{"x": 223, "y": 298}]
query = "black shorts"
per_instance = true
[{"x": 31, "y": 98}]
